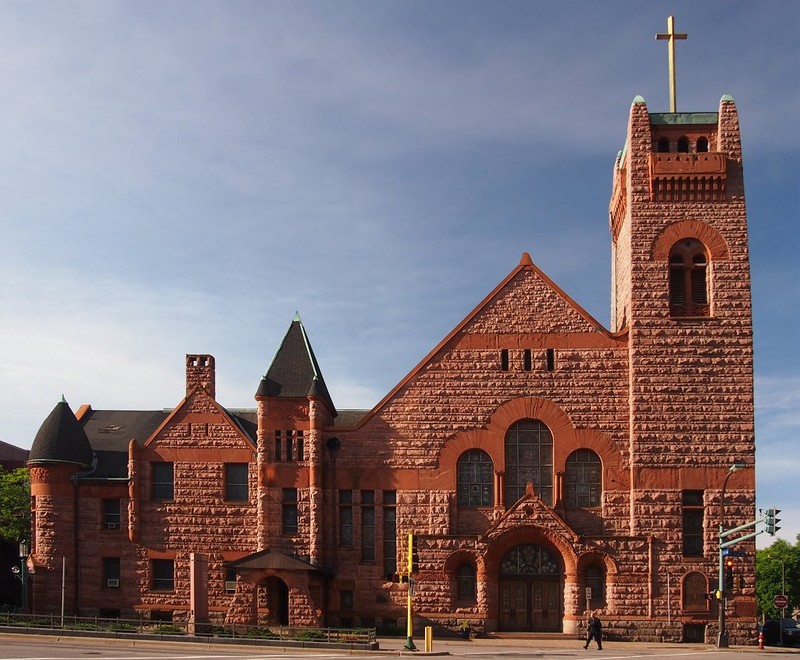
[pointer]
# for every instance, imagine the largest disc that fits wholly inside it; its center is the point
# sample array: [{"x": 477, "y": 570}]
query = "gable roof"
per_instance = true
[
  {"x": 529, "y": 509},
  {"x": 544, "y": 292},
  {"x": 61, "y": 439},
  {"x": 270, "y": 559},
  {"x": 243, "y": 426},
  {"x": 294, "y": 371}
]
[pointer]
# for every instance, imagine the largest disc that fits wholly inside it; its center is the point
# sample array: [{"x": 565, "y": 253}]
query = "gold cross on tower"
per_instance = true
[{"x": 671, "y": 35}]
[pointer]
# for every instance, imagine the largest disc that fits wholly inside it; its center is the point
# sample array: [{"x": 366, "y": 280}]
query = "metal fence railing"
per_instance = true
[{"x": 118, "y": 627}]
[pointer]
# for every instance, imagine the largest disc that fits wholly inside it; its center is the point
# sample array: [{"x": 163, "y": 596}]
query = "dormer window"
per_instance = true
[{"x": 688, "y": 286}]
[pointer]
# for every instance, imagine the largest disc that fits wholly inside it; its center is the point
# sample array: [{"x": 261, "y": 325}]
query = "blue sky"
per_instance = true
[{"x": 181, "y": 177}]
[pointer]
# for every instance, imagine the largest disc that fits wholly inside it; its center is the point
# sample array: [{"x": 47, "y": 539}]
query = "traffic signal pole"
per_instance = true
[{"x": 409, "y": 645}]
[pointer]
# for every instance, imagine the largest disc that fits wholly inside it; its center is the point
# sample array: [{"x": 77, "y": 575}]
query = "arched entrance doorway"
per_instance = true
[
  {"x": 273, "y": 601},
  {"x": 531, "y": 591}
]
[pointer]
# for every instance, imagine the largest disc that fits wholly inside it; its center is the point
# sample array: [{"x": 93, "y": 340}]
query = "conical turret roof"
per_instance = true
[
  {"x": 61, "y": 439},
  {"x": 294, "y": 371}
]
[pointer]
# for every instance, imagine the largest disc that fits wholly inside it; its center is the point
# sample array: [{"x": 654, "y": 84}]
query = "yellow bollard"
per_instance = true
[{"x": 428, "y": 639}]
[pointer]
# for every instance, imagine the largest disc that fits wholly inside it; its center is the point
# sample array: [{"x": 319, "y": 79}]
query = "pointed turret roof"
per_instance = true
[
  {"x": 61, "y": 439},
  {"x": 294, "y": 371}
]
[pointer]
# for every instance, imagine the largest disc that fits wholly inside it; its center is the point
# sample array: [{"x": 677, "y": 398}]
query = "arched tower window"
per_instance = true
[
  {"x": 663, "y": 145},
  {"x": 475, "y": 479},
  {"x": 466, "y": 584},
  {"x": 702, "y": 145},
  {"x": 583, "y": 479},
  {"x": 683, "y": 145},
  {"x": 688, "y": 286},
  {"x": 529, "y": 459}
]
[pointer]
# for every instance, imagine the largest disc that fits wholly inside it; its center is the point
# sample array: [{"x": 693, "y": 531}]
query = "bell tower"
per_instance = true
[{"x": 681, "y": 289}]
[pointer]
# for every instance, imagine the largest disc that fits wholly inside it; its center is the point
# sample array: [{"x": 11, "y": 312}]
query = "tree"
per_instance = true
[
  {"x": 777, "y": 565},
  {"x": 15, "y": 505}
]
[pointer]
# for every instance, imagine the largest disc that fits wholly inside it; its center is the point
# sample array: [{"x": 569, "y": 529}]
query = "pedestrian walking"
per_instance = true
[{"x": 594, "y": 631}]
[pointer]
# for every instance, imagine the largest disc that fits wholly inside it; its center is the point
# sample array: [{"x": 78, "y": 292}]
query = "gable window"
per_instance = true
[
  {"x": 236, "y": 486},
  {"x": 289, "y": 510},
  {"x": 111, "y": 513},
  {"x": 529, "y": 459},
  {"x": 162, "y": 572},
  {"x": 693, "y": 514},
  {"x": 466, "y": 584},
  {"x": 688, "y": 288},
  {"x": 163, "y": 482},
  {"x": 583, "y": 479},
  {"x": 475, "y": 479}
]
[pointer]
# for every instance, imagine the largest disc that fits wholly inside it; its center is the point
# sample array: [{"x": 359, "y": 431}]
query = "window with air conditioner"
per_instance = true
[
  {"x": 112, "y": 517},
  {"x": 111, "y": 572}
]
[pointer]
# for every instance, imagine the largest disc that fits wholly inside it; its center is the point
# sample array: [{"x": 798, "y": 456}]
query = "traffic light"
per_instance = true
[
  {"x": 771, "y": 521},
  {"x": 729, "y": 573},
  {"x": 413, "y": 556}
]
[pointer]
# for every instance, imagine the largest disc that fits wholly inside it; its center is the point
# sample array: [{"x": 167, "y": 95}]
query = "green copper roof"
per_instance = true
[{"x": 682, "y": 118}]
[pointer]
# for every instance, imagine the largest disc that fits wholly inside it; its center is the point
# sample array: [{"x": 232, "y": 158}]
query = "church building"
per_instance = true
[{"x": 545, "y": 465}]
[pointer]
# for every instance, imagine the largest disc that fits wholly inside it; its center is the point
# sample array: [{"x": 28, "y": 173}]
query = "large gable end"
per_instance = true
[{"x": 528, "y": 302}]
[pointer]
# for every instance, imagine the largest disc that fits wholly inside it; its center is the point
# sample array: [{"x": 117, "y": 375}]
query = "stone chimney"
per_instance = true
[{"x": 200, "y": 373}]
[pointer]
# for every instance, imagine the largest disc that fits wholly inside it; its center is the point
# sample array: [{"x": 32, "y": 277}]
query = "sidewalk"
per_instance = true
[{"x": 455, "y": 646}]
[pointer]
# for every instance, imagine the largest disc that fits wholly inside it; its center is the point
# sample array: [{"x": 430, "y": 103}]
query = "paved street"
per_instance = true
[{"x": 28, "y": 647}]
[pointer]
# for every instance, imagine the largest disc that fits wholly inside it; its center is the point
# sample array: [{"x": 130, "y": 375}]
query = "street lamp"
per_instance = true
[
  {"x": 23, "y": 556},
  {"x": 722, "y": 638}
]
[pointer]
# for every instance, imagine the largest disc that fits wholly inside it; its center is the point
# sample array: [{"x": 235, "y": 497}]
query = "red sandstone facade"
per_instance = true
[{"x": 533, "y": 453}]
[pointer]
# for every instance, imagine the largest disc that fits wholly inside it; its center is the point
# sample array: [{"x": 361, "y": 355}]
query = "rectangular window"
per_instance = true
[
  {"x": 504, "y": 359},
  {"x": 230, "y": 580},
  {"x": 163, "y": 482},
  {"x": 162, "y": 573},
  {"x": 278, "y": 456},
  {"x": 367, "y": 525},
  {"x": 111, "y": 513},
  {"x": 346, "y": 518},
  {"x": 299, "y": 447},
  {"x": 693, "y": 520},
  {"x": 236, "y": 482},
  {"x": 111, "y": 571},
  {"x": 526, "y": 359},
  {"x": 289, "y": 510},
  {"x": 551, "y": 359},
  {"x": 389, "y": 532}
]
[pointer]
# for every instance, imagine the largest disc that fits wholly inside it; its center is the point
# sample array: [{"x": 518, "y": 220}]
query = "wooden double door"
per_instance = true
[{"x": 530, "y": 605}]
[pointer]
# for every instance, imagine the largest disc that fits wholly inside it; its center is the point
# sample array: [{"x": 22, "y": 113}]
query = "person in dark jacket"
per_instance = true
[{"x": 594, "y": 631}]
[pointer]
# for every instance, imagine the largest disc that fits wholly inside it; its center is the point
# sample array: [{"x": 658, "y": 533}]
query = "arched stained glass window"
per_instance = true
[
  {"x": 695, "y": 589},
  {"x": 529, "y": 459},
  {"x": 467, "y": 585},
  {"x": 475, "y": 479},
  {"x": 583, "y": 479},
  {"x": 529, "y": 559}
]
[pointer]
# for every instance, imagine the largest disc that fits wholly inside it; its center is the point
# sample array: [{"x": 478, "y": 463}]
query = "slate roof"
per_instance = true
[
  {"x": 110, "y": 431},
  {"x": 61, "y": 439},
  {"x": 294, "y": 371}
]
